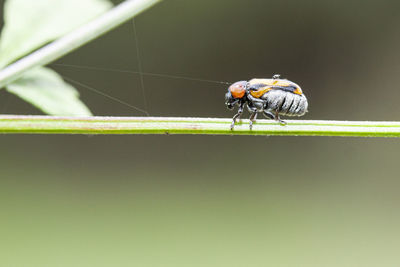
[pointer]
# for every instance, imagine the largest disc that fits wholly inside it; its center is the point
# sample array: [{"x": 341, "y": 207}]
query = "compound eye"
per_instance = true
[{"x": 238, "y": 89}]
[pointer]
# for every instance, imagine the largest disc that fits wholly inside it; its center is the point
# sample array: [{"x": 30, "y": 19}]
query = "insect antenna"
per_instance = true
[{"x": 137, "y": 72}]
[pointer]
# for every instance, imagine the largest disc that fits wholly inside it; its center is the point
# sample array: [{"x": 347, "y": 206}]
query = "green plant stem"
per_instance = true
[
  {"x": 164, "y": 125},
  {"x": 75, "y": 39}
]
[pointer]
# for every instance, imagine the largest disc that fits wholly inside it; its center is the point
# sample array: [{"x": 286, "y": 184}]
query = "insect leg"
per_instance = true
[
  {"x": 237, "y": 115},
  {"x": 255, "y": 103},
  {"x": 251, "y": 106},
  {"x": 253, "y": 118},
  {"x": 270, "y": 115},
  {"x": 279, "y": 119}
]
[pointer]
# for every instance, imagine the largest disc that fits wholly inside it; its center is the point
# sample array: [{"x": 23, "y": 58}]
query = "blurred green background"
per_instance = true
[{"x": 216, "y": 200}]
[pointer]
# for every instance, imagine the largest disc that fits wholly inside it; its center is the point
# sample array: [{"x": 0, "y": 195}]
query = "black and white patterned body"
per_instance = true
[{"x": 272, "y": 97}]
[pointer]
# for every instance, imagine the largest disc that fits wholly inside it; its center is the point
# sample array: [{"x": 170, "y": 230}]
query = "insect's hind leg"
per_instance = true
[
  {"x": 279, "y": 119},
  {"x": 273, "y": 116}
]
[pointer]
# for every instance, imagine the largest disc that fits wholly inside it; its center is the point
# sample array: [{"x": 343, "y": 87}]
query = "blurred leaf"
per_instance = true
[
  {"x": 29, "y": 24},
  {"x": 45, "y": 89}
]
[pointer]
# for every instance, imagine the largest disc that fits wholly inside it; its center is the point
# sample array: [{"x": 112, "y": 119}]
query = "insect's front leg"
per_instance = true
[{"x": 238, "y": 114}]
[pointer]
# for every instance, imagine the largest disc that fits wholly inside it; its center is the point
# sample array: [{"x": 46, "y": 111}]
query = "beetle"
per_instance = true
[{"x": 272, "y": 97}]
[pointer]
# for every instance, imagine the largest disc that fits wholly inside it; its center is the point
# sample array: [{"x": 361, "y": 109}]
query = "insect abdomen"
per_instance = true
[{"x": 286, "y": 103}]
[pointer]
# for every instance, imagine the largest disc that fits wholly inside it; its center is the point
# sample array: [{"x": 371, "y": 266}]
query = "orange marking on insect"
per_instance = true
[
  {"x": 270, "y": 82},
  {"x": 260, "y": 92},
  {"x": 298, "y": 91},
  {"x": 237, "y": 91}
]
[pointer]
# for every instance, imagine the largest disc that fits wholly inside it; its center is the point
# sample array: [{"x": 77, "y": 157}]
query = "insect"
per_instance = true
[{"x": 272, "y": 97}]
